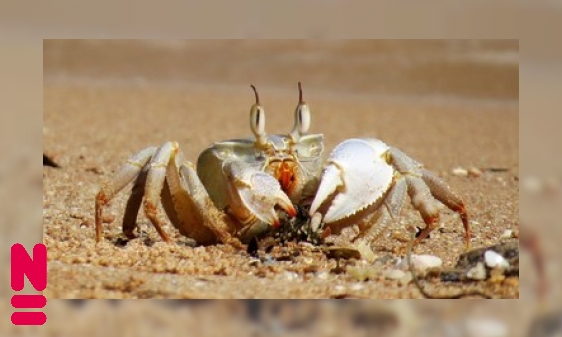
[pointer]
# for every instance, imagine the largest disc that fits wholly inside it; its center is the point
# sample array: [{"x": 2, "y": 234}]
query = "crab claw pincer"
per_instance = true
[
  {"x": 356, "y": 177},
  {"x": 255, "y": 193}
]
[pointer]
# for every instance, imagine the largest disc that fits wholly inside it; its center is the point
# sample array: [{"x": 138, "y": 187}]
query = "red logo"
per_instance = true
[{"x": 36, "y": 271}]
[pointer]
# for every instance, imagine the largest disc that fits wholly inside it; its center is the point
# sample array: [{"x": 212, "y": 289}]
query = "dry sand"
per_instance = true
[{"x": 446, "y": 104}]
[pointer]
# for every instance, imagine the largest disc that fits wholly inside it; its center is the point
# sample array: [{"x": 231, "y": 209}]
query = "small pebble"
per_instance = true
[
  {"x": 358, "y": 273},
  {"x": 366, "y": 252},
  {"x": 85, "y": 224},
  {"x": 507, "y": 234},
  {"x": 108, "y": 218},
  {"x": 339, "y": 288},
  {"x": 474, "y": 172},
  {"x": 477, "y": 272},
  {"x": 406, "y": 279},
  {"x": 362, "y": 273},
  {"x": 516, "y": 234},
  {"x": 394, "y": 274},
  {"x": 444, "y": 229},
  {"x": 495, "y": 260},
  {"x": 77, "y": 215},
  {"x": 94, "y": 169},
  {"x": 460, "y": 172},
  {"x": 291, "y": 276},
  {"x": 254, "y": 262},
  {"x": 323, "y": 275},
  {"x": 421, "y": 262},
  {"x": 357, "y": 286}
]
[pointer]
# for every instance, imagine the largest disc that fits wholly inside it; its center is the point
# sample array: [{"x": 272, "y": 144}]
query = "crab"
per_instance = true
[{"x": 240, "y": 187}]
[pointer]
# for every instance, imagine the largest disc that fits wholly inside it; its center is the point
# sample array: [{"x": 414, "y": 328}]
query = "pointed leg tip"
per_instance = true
[
  {"x": 292, "y": 212},
  {"x": 327, "y": 232}
]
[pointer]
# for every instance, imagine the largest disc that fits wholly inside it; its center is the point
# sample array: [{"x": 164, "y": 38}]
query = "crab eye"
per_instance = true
[
  {"x": 257, "y": 120},
  {"x": 303, "y": 118}
]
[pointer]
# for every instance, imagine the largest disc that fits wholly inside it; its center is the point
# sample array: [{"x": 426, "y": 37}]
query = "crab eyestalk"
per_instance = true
[
  {"x": 302, "y": 119},
  {"x": 257, "y": 121}
]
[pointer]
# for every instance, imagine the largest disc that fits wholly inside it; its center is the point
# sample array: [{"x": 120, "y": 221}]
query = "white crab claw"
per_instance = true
[
  {"x": 359, "y": 176},
  {"x": 258, "y": 192},
  {"x": 262, "y": 197},
  {"x": 331, "y": 180}
]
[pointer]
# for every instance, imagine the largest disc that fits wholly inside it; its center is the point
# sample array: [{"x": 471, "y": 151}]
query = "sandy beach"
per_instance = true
[{"x": 448, "y": 104}]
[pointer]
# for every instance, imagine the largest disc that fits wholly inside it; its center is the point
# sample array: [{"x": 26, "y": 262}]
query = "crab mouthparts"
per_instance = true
[{"x": 285, "y": 174}]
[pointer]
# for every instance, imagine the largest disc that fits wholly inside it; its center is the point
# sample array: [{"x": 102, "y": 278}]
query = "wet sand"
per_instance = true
[{"x": 446, "y": 104}]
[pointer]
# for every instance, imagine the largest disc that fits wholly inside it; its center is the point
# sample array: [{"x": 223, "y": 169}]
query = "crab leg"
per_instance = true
[
  {"x": 155, "y": 180},
  {"x": 423, "y": 187},
  {"x": 197, "y": 217},
  {"x": 183, "y": 210},
  {"x": 184, "y": 198},
  {"x": 423, "y": 201},
  {"x": 442, "y": 192},
  {"x": 158, "y": 176},
  {"x": 125, "y": 175},
  {"x": 133, "y": 205}
]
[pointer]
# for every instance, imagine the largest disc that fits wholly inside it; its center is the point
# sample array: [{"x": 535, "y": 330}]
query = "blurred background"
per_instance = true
[{"x": 21, "y": 63}]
